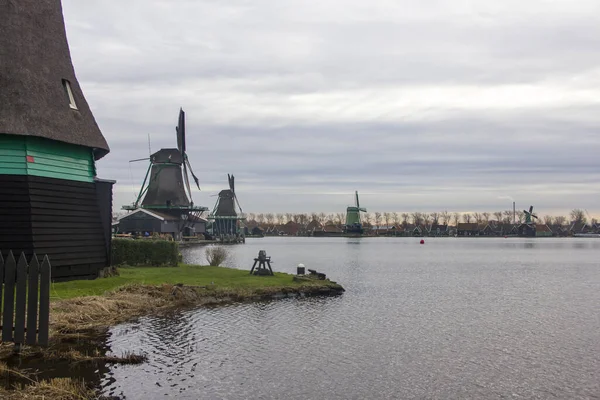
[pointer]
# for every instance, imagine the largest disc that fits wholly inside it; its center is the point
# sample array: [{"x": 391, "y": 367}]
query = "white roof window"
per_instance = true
[{"x": 67, "y": 86}]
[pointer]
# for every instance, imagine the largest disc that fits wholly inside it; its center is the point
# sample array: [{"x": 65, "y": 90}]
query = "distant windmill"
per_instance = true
[
  {"x": 166, "y": 186},
  {"x": 528, "y": 228},
  {"x": 353, "y": 221},
  {"x": 529, "y": 215},
  {"x": 225, "y": 214}
]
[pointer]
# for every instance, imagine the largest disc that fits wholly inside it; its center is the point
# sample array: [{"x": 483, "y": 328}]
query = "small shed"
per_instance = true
[{"x": 142, "y": 221}]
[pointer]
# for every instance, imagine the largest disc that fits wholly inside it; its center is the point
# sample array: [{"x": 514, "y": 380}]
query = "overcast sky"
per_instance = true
[{"x": 435, "y": 105}]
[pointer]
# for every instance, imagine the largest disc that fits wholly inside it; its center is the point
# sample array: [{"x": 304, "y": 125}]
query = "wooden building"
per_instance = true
[
  {"x": 51, "y": 201},
  {"x": 142, "y": 221}
]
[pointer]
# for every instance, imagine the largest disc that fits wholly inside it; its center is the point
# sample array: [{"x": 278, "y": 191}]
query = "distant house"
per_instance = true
[
  {"x": 331, "y": 228},
  {"x": 438, "y": 230},
  {"x": 579, "y": 227},
  {"x": 291, "y": 228},
  {"x": 385, "y": 230},
  {"x": 467, "y": 229},
  {"x": 271, "y": 231},
  {"x": 559, "y": 230},
  {"x": 312, "y": 226},
  {"x": 508, "y": 229},
  {"x": 142, "y": 221},
  {"x": 254, "y": 231},
  {"x": 543, "y": 230},
  {"x": 490, "y": 229}
]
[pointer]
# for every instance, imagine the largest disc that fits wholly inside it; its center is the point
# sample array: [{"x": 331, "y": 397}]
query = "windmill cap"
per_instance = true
[{"x": 300, "y": 265}]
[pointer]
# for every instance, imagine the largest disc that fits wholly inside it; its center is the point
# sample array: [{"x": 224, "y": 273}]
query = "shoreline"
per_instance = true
[{"x": 79, "y": 326}]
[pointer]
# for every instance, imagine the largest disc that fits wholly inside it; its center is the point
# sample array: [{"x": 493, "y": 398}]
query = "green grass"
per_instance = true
[{"x": 191, "y": 275}]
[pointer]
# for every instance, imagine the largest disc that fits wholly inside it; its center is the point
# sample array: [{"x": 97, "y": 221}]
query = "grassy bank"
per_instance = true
[
  {"x": 81, "y": 312},
  {"x": 80, "y": 307},
  {"x": 189, "y": 275}
]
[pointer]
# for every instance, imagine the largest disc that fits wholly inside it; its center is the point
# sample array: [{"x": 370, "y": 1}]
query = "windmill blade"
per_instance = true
[
  {"x": 534, "y": 216},
  {"x": 530, "y": 209},
  {"x": 187, "y": 181},
  {"x": 139, "y": 159},
  {"x": 238, "y": 203},
  {"x": 230, "y": 178},
  {"x": 526, "y": 212},
  {"x": 192, "y": 172},
  {"x": 180, "y": 129},
  {"x": 357, "y": 203}
]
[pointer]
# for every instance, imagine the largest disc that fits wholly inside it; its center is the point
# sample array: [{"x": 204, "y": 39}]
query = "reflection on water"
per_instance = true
[{"x": 454, "y": 318}]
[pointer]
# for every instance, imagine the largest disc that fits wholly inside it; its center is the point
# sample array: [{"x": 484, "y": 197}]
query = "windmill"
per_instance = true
[
  {"x": 166, "y": 190},
  {"x": 353, "y": 222},
  {"x": 225, "y": 215},
  {"x": 529, "y": 215},
  {"x": 528, "y": 228}
]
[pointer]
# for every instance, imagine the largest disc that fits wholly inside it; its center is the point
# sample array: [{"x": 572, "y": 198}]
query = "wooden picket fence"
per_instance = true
[{"x": 25, "y": 295}]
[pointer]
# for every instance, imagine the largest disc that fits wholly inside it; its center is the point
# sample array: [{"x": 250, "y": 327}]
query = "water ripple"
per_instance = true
[{"x": 460, "y": 318}]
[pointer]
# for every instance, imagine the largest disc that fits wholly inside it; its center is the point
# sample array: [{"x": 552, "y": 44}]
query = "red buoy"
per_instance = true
[{"x": 422, "y": 241}]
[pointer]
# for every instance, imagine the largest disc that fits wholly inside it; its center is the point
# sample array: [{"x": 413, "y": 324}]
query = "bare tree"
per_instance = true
[
  {"x": 405, "y": 217},
  {"x": 467, "y": 217},
  {"x": 416, "y": 218},
  {"x": 498, "y": 216},
  {"x": 367, "y": 218},
  {"x": 578, "y": 216},
  {"x": 477, "y": 217},
  {"x": 445, "y": 217},
  {"x": 520, "y": 216},
  {"x": 387, "y": 217},
  {"x": 252, "y": 217},
  {"x": 425, "y": 218},
  {"x": 396, "y": 218},
  {"x": 269, "y": 217},
  {"x": 322, "y": 218},
  {"x": 548, "y": 219},
  {"x": 486, "y": 216},
  {"x": 289, "y": 217},
  {"x": 508, "y": 216},
  {"x": 456, "y": 218},
  {"x": 560, "y": 220},
  {"x": 435, "y": 217},
  {"x": 260, "y": 218},
  {"x": 279, "y": 217},
  {"x": 314, "y": 217},
  {"x": 377, "y": 218},
  {"x": 303, "y": 219},
  {"x": 339, "y": 218}
]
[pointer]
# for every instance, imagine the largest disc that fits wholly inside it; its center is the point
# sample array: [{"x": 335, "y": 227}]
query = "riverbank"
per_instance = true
[{"x": 83, "y": 311}]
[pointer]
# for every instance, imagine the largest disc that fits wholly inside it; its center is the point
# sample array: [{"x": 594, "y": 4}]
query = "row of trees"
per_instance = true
[{"x": 418, "y": 218}]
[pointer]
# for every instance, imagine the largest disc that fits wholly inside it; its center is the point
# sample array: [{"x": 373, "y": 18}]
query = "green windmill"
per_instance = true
[
  {"x": 353, "y": 223},
  {"x": 528, "y": 228},
  {"x": 529, "y": 215}
]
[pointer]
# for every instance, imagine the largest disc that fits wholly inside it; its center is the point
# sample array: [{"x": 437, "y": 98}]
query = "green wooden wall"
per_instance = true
[{"x": 47, "y": 158}]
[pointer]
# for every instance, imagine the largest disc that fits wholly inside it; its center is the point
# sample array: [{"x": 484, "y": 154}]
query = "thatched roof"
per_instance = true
[{"x": 35, "y": 59}]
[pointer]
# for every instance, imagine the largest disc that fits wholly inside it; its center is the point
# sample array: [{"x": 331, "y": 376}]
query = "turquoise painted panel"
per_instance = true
[{"x": 28, "y": 155}]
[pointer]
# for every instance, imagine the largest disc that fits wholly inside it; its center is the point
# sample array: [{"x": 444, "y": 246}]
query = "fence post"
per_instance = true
[
  {"x": 1, "y": 281},
  {"x": 44, "y": 302},
  {"x": 21, "y": 300},
  {"x": 10, "y": 269},
  {"x": 32, "y": 301}
]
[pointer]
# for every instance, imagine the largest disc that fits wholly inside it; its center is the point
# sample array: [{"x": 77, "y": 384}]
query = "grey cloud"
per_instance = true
[{"x": 302, "y": 100}]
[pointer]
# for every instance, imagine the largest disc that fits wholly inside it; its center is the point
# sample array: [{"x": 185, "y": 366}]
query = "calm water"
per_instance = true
[{"x": 454, "y": 318}]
